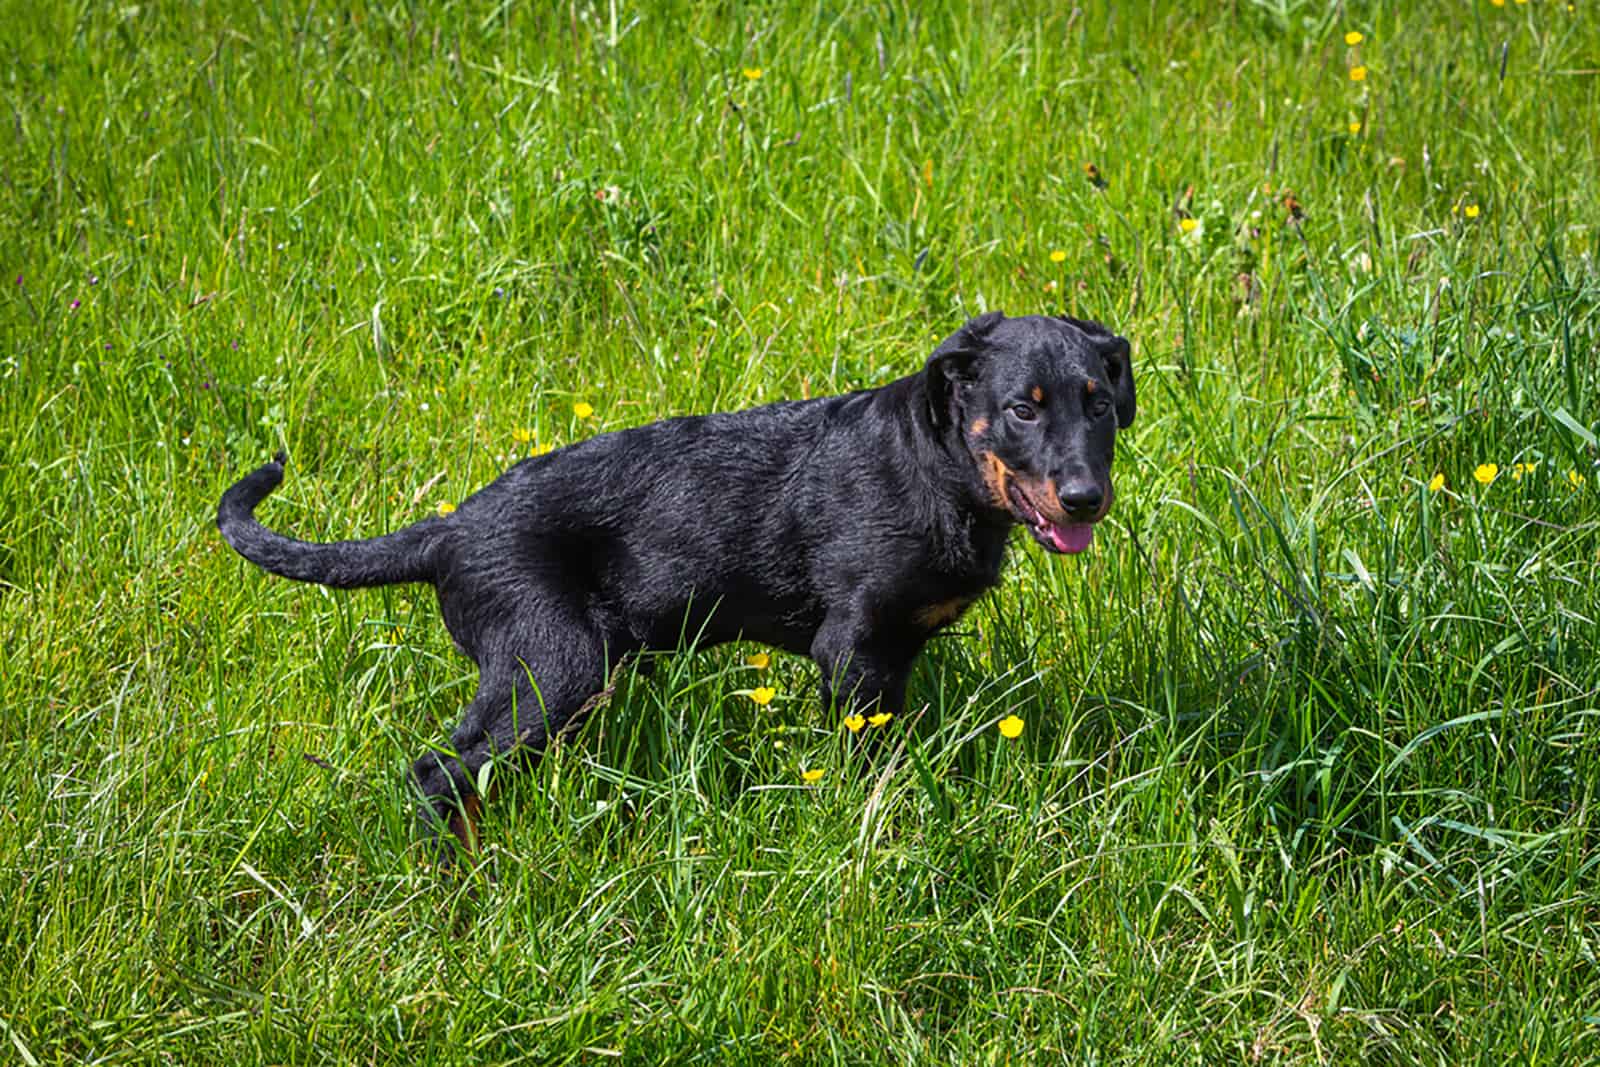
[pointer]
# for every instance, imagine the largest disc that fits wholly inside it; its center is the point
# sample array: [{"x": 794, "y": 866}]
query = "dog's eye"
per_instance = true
[{"x": 1023, "y": 412}]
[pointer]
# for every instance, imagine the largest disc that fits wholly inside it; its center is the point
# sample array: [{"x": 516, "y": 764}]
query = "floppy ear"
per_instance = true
[
  {"x": 953, "y": 363},
  {"x": 1117, "y": 355}
]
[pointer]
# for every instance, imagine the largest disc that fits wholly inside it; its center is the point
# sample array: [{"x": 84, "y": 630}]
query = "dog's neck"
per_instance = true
[{"x": 969, "y": 533}]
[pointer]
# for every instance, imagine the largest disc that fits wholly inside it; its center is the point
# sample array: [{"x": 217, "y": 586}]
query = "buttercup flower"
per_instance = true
[
  {"x": 1188, "y": 225},
  {"x": 1058, "y": 256},
  {"x": 814, "y": 775},
  {"x": 1011, "y": 727},
  {"x": 1353, "y": 38},
  {"x": 1436, "y": 483},
  {"x": 881, "y": 718},
  {"x": 1485, "y": 472},
  {"x": 753, "y": 73},
  {"x": 445, "y": 508},
  {"x": 1575, "y": 479},
  {"x": 758, "y": 660},
  {"x": 522, "y": 435},
  {"x": 854, "y": 723},
  {"x": 1358, "y": 74},
  {"x": 1470, "y": 211},
  {"x": 1519, "y": 469},
  {"x": 763, "y": 694},
  {"x": 1355, "y": 127},
  {"x": 583, "y": 409}
]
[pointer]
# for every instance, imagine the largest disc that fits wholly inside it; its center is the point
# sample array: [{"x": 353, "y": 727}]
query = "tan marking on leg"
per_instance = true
[
  {"x": 933, "y": 616},
  {"x": 464, "y": 824}
]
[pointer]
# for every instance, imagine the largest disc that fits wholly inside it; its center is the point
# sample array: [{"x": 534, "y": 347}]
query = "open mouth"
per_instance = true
[{"x": 1069, "y": 538}]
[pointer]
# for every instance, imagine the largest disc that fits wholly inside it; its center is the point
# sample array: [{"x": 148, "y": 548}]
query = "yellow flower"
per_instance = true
[
  {"x": 1575, "y": 479},
  {"x": 1058, "y": 256},
  {"x": 1011, "y": 727},
  {"x": 1353, "y": 38},
  {"x": 1485, "y": 473},
  {"x": 445, "y": 508},
  {"x": 1498, "y": 3},
  {"x": 1355, "y": 127},
  {"x": 1436, "y": 483},
  {"x": 813, "y": 775},
  {"x": 763, "y": 694},
  {"x": 758, "y": 660},
  {"x": 583, "y": 409},
  {"x": 1188, "y": 225},
  {"x": 881, "y": 718},
  {"x": 1471, "y": 211},
  {"x": 854, "y": 723},
  {"x": 1519, "y": 469},
  {"x": 522, "y": 435},
  {"x": 538, "y": 450},
  {"x": 1358, "y": 74},
  {"x": 753, "y": 73}
]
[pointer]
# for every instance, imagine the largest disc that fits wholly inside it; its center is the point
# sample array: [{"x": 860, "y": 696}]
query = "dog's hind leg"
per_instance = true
[{"x": 534, "y": 679}]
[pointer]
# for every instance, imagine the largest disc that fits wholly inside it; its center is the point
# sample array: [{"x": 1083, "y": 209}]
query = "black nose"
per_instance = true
[{"x": 1080, "y": 497}]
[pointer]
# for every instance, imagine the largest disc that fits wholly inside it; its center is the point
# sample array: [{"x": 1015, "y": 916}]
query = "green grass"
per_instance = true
[{"x": 1310, "y": 765}]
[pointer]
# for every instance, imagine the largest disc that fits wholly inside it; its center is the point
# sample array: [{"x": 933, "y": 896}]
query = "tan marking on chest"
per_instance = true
[{"x": 943, "y": 613}]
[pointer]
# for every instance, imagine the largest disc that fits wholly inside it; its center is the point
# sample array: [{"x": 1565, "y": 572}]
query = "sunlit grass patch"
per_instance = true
[{"x": 1296, "y": 764}]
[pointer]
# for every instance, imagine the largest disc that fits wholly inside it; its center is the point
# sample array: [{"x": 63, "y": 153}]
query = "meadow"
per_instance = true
[{"x": 1310, "y": 738}]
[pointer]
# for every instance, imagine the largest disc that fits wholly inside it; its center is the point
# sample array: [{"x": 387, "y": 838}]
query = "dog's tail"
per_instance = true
[{"x": 403, "y": 556}]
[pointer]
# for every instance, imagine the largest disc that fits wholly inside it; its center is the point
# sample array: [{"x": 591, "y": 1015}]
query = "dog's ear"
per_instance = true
[
  {"x": 1117, "y": 355},
  {"x": 953, "y": 364}
]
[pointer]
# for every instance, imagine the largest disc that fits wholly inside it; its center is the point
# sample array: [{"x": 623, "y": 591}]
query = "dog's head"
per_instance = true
[{"x": 1036, "y": 402}]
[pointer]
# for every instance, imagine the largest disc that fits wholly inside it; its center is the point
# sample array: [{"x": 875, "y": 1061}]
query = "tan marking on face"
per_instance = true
[
  {"x": 1088, "y": 387},
  {"x": 1047, "y": 498},
  {"x": 995, "y": 473},
  {"x": 945, "y": 612},
  {"x": 979, "y": 425},
  {"x": 1038, "y": 394}
]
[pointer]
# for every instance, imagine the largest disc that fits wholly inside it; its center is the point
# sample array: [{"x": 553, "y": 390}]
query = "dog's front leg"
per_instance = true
[{"x": 862, "y": 672}]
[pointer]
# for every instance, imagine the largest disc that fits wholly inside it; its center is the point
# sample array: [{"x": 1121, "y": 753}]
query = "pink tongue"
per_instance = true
[{"x": 1074, "y": 538}]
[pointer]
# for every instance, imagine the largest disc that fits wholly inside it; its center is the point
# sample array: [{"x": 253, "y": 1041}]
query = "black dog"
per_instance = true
[{"x": 850, "y": 528}]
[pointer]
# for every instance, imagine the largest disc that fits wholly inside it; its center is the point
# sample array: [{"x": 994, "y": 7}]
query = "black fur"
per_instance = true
[{"x": 849, "y": 528}]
